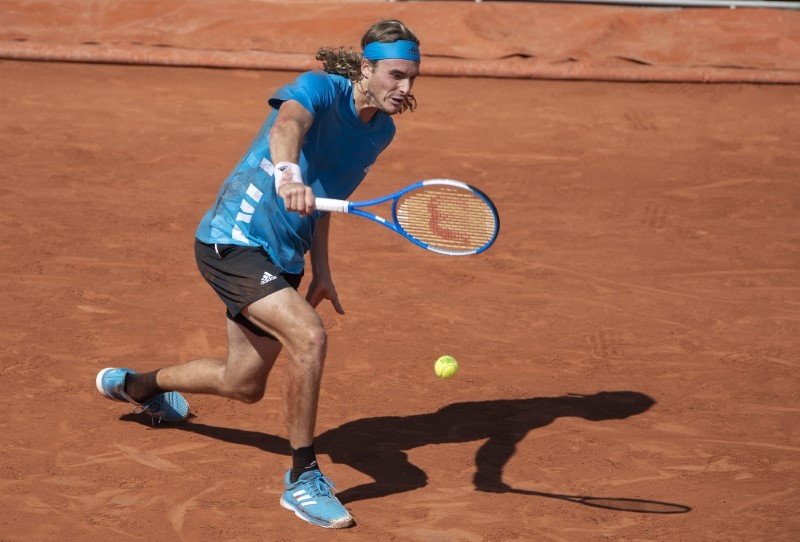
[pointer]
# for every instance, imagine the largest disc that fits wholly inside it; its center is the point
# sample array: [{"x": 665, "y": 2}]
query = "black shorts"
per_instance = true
[{"x": 241, "y": 275}]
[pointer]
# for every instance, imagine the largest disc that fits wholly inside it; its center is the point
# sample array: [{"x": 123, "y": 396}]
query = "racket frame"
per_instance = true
[{"x": 355, "y": 208}]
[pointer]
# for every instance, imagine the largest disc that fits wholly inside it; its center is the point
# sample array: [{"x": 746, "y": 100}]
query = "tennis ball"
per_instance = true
[{"x": 446, "y": 367}]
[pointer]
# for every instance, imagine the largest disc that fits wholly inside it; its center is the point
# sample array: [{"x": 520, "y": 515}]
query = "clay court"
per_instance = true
[{"x": 628, "y": 347}]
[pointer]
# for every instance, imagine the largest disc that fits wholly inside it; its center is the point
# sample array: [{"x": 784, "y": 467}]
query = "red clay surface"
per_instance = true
[
  {"x": 491, "y": 39},
  {"x": 649, "y": 245}
]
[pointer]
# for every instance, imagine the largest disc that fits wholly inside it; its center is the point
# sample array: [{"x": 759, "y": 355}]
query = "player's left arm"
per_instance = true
[{"x": 322, "y": 286}]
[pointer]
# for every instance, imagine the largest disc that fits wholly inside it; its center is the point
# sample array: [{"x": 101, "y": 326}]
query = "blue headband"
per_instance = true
[{"x": 402, "y": 49}]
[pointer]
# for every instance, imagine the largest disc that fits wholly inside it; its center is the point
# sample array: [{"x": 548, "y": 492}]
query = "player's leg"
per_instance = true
[
  {"x": 298, "y": 327},
  {"x": 242, "y": 376},
  {"x": 239, "y": 275},
  {"x": 288, "y": 316}
]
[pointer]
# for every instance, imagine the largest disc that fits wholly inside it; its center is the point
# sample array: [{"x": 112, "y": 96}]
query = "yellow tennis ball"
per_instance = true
[{"x": 446, "y": 367}]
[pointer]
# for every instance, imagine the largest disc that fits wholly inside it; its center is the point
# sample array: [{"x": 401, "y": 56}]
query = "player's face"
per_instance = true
[{"x": 388, "y": 82}]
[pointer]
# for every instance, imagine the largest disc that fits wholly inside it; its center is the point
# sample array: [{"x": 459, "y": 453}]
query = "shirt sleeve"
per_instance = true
[{"x": 313, "y": 90}]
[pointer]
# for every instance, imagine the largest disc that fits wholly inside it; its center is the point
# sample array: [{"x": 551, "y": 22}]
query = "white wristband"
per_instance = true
[{"x": 285, "y": 173}]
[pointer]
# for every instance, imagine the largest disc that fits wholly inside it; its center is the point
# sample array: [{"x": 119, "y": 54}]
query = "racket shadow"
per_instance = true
[
  {"x": 621, "y": 504},
  {"x": 378, "y": 446}
]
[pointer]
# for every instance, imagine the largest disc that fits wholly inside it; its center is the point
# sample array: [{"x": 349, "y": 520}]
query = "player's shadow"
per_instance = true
[{"x": 377, "y": 446}]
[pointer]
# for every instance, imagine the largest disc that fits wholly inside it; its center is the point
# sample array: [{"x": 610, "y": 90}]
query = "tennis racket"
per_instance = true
[{"x": 441, "y": 215}]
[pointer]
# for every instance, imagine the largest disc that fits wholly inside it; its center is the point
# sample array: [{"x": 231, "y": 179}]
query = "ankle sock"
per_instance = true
[
  {"x": 142, "y": 386},
  {"x": 303, "y": 460}
]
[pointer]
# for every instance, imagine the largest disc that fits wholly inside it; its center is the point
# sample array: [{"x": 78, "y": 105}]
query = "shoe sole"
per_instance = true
[{"x": 338, "y": 524}]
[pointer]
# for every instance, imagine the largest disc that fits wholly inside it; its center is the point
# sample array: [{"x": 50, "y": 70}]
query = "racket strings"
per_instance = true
[{"x": 447, "y": 218}]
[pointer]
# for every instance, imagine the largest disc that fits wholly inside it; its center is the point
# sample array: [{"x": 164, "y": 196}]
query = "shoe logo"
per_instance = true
[
  {"x": 267, "y": 277},
  {"x": 303, "y": 498}
]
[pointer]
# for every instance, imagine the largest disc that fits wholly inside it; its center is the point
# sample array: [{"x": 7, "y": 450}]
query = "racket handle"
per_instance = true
[{"x": 332, "y": 205}]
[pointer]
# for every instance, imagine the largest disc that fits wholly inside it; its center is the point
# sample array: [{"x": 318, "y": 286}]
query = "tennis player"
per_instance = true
[{"x": 324, "y": 132}]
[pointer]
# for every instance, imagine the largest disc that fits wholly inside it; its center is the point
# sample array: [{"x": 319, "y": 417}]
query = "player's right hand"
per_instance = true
[{"x": 298, "y": 198}]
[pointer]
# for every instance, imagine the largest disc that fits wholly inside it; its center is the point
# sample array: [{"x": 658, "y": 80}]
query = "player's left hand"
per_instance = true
[{"x": 320, "y": 289}]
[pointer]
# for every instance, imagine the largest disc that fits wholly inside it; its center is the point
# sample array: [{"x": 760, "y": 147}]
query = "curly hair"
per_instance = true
[
  {"x": 341, "y": 62},
  {"x": 347, "y": 63}
]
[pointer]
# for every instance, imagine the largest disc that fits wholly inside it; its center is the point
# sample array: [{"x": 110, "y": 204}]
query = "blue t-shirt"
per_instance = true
[{"x": 336, "y": 154}]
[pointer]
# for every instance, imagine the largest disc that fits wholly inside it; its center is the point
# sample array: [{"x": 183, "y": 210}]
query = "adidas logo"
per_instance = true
[
  {"x": 303, "y": 498},
  {"x": 267, "y": 277}
]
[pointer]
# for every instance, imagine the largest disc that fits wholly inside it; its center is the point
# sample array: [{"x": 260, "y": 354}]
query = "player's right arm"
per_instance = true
[{"x": 285, "y": 141}]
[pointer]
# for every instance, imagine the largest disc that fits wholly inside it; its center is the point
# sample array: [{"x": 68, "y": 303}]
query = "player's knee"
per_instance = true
[
  {"x": 249, "y": 392},
  {"x": 251, "y": 396},
  {"x": 246, "y": 386},
  {"x": 314, "y": 342}
]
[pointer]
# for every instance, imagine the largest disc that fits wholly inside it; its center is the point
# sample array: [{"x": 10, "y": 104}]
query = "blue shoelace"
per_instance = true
[{"x": 321, "y": 486}]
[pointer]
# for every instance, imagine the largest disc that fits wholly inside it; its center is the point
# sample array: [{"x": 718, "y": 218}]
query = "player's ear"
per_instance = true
[{"x": 366, "y": 68}]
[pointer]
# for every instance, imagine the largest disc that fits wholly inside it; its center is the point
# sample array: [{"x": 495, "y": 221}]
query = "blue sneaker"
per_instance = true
[
  {"x": 169, "y": 406},
  {"x": 312, "y": 500}
]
